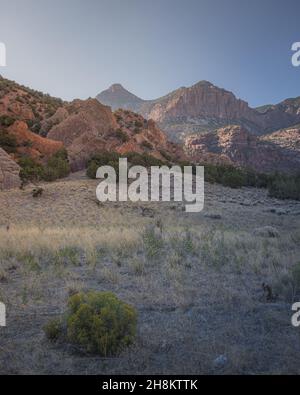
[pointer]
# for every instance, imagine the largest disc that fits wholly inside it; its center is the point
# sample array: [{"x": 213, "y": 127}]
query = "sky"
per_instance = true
[{"x": 77, "y": 48}]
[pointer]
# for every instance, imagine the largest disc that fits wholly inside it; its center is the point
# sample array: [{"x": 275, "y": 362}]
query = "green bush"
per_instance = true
[
  {"x": 57, "y": 166},
  {"x": 233, "y": 179},
  {"x": 104, "y": 158},
  {"x": 34, "y": 125},
  {"x": 143, "y": 160},
  {"x": 280, "y": 186},
  {"x": 8, "y": 142},
  {"x": 211, "y": 174},
  {"x": 285, "y": 187},
  {"x": 258, "y": 180},
  {"x": 6, "y": 120},
  {"x": 53, "y": 329},
  {"x": 226, "y": 175},
  {"x": 138, "y": 124},
  {"x": 153, "y": 242},
  {"x": 92, "y": 169},
  {"x": 100, "y": 322},
  {"x": 112, "y": 159},
  {"x": 121, "y": 135},
  {"x": 30, "y": 170}
]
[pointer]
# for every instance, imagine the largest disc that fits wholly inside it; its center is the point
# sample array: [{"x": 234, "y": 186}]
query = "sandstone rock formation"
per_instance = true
[
  {"x": 86, "y": 127},
  {"x": 286, "y": 138},
  {"x": 83, "y": 129},
  {"x": 9, "y": 172},
  {"x": 236, "y": 146},
  {"x": 22, "y": 111},
  {"x": 31, "y": 144}
]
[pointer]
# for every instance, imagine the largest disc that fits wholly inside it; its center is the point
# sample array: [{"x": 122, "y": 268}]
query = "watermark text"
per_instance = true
[
  {"x": 166, "y": 184},
  {"x": 296, "y": 55},
  {"x": 2, "y": 314}
]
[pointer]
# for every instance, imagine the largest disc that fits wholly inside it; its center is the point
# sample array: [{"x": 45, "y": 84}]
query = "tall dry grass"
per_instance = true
[{"x": 21, "y": 239}]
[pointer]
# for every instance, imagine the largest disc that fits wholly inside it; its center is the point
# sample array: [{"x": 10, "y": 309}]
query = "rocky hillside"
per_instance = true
[
  {"x": 282, "y": 115},
  {"x": 204, "y": 107},
  {"x": 86, "y": 127},
  {"x": 236, "y": 146},
  {"x": 288, "y": 138},
  {"x": 22, "y": 112},
  {"x": 18, "y": 102}
]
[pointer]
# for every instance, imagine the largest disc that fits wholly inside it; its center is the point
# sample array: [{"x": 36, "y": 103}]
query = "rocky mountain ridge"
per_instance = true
[{"x": 203, "y": 107}]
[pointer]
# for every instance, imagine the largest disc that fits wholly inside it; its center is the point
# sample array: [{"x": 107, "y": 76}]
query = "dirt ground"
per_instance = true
[{"x": 197, "y": 285}]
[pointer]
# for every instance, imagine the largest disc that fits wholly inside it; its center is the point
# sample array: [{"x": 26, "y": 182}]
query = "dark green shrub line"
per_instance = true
[
  {"x": 235, "y": 177},
  {"x": 104, "y": 158},
  {"x": 279, "y": 186},
  {"x": 112, "y": 159},
  {"x": 285, "y": 187}
]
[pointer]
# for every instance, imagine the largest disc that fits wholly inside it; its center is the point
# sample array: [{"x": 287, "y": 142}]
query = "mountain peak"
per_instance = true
[
  {"x": 116, "y": 87},
  {"x": 116, "y": 96},
  {"x": 203, "y": 83}
]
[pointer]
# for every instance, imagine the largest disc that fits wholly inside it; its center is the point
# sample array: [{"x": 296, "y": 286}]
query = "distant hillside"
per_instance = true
[
  {"x": 234, "y": 145},
  {"x": 264, "y": 108},
  {"x": 288, "y": 139}
]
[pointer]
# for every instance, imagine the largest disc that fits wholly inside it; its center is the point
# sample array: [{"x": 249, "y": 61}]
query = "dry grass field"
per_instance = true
[{"x": 195, "y": 279}]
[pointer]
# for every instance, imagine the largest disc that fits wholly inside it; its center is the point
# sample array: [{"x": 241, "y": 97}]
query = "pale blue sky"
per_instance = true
[{"x": 77, "y": 48}]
